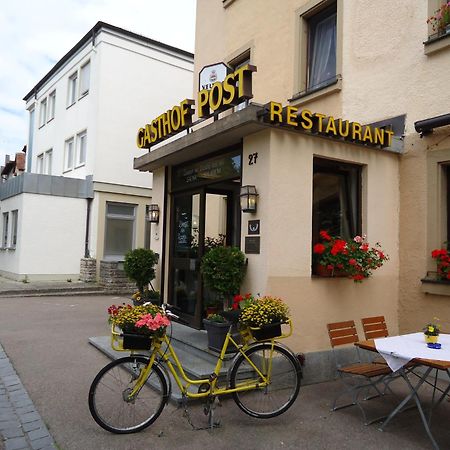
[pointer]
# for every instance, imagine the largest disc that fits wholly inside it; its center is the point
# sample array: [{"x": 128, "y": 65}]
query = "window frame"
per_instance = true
[
  {"x": 43, "y": 112},
  {"x": 48, "y": 161},
  {"x": 336, "y": 167},
  {"x": 51, "y": 107},
  {"x": 80, "y": 136},
  {"x": 14, "y": 227},
  {"x": 84, "y": 90},
  {"x": 69, "y": 165},
  {"x": 241, "y": 60},
  {"x": 5, "y": 227},
  {"x": 303, "y": 16},
  {"x": 40, "y": 163},
  {"x": 116, "y": 216},
  {"x": 72, "y": 89}
]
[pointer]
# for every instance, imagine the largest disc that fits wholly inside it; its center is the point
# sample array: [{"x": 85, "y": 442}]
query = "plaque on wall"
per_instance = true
[
  {"x": 254, "y": 227},
  {"x": 252, "y": 245}
]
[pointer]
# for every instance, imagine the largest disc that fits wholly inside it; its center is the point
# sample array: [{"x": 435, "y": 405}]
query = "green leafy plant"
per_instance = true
[
  {"x": 217, "y": 318},
  {"x": 139, "y": 267},
  {"x": 264, "y": 311},
  {"x": 223, "y": 270},
  {"x": 355, "y": 256}
]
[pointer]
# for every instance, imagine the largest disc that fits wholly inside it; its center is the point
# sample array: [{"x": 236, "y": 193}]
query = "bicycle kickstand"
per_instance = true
[{"x": 211, "y": 407}]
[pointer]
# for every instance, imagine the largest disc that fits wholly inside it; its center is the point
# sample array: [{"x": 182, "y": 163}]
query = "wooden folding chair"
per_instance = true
[
  {"x": 374, "y": 327},
  {"x": 367, "y": 375}
]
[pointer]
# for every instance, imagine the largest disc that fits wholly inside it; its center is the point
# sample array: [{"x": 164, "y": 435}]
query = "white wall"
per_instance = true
[{"x": 52, "y": 232}]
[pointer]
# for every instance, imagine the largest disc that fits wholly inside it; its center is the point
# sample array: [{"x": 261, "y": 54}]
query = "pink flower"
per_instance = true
[
  {"x": 153, "y": 323},
  {"x": 358, "y": 239}
]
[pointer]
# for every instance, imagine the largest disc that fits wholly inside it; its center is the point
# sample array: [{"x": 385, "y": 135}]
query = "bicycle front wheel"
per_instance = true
[
  {"x": 110, "y": 402},
  {"x": 281, "y": 369}
]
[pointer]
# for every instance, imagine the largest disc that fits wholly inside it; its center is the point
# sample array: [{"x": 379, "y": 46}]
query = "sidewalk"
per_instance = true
[
  {"x": 21, "y": 426},
  {"x": 12, "y": 288}
]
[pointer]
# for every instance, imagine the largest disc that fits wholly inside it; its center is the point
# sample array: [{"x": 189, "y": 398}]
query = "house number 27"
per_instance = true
[{"x": 252, "y": 158}]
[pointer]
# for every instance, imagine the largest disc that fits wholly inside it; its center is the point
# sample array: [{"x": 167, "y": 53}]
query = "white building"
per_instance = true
[{"x": 80, "y": 196}]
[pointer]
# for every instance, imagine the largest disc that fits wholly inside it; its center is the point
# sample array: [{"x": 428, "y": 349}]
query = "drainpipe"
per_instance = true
[
  {"x": 88, "y": 217},
  {"x": 426, "y": 126}
]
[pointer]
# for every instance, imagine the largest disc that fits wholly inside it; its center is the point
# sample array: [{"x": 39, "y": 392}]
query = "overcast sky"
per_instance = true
[{"x": 35, "y": 34}]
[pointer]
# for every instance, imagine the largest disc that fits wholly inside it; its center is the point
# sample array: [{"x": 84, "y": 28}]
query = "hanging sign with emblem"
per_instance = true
[{"x": 212, "y": 74}]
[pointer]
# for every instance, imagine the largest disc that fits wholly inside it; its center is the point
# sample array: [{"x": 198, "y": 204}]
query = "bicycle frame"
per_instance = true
[{"x": 170, "y": 358}]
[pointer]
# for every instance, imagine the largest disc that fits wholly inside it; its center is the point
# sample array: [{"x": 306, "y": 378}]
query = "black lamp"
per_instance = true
[
  {"x": 248, "y": 198},
  {"x": 153, "y": 213}
]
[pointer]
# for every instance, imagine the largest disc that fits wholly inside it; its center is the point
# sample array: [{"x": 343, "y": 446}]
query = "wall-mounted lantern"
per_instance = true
[
  {"x": 153, "y": 213},
  {"x": 248, "y": 198}
]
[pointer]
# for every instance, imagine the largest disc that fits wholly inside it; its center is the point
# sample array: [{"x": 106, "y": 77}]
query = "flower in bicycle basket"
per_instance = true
[
  {"x": 143, "y": 319},
  {"x": 264, "y": 311},
  {"x": 242, "y": 301}
]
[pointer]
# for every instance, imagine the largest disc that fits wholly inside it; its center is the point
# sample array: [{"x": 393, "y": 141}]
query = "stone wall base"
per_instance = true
[
  {"x": 113, "y": 277},
  {"x": 88, "y": 270}
]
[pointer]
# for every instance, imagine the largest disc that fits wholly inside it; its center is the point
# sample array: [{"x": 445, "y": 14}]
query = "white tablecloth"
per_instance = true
[{"x": 398, "y": 350}]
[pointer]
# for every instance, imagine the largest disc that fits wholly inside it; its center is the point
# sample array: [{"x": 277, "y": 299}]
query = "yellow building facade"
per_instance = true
[{"x": 364, "y": 71}]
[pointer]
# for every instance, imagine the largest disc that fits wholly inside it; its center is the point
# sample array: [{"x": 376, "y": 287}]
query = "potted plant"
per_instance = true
[
  {"x": 442, "y": 258},
  {"x": 223, "y": 269},
  {"x": 352, "y": 258},
  {"x": 138, "y": 323},
  {"x": 217, "y": 328},
  {"x": 264, "y": 316},
  {"x": 139, "y": 266},
  {"x": 440, "y": 20},
  {"x": 431, "y": 332}
]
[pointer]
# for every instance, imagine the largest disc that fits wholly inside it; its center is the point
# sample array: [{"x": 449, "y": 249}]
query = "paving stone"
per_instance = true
[
  {"x": 16, "y": 444},
  {"x": 41, "y": 443},
  {"x": 22, "y": 402},
  {"x": 13, "y": 432},
  {"x": 29, "y": 417},
  {"x": 11, "y": 422},
  {"x": 33, "y": 425},
  {"x": 37, "y": 434},
  {"x": 25, "y": 409}
]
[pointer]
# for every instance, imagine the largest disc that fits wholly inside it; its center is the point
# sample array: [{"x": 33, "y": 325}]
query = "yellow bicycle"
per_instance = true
[{"x": 129, "y": 394}]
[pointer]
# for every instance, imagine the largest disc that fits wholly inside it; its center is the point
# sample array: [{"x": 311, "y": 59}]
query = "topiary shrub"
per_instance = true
[
  {"x": 223, "y": 270},
  {"x": 139, "y": 267}
]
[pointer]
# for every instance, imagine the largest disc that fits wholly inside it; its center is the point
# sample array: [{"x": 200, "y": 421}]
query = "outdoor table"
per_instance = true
[{"x": 404, "y": 353}]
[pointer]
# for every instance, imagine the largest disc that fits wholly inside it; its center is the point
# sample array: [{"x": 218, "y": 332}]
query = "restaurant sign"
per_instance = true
[{"x": 236, "y": 87}]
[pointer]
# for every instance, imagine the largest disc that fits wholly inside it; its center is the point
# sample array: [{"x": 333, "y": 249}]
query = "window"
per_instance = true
[
  {"x": 336, "y": 199},
  {"x": 40, "y": 163},
  {"x": 85, "y": 75},
  {"x": 51, "y": 106},
  {"x": 81, "y": 148},
  {"x": 322, "y": 49},
  {"x": 119, "y": 235},
  {"x": 237, "y": 63},
  {"x": 43, "y": 113},
  {"x": 319, "y": 49},
  {"x": 14, "y": 219},
  {"x": 48, "y": 157},
  {"x": 30, "y": 140},
  {"x": 5, "y": 230},
  {"x": 68, "y": 154},
  {"x": 72, "y": 89}
]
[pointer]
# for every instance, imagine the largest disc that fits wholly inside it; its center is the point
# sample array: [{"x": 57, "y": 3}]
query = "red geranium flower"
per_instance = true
[{"x": 319, "y": 249}]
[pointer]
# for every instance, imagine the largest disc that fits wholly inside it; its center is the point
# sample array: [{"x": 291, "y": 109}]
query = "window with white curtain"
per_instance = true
[
  {"x": 85, "y": 76},
  {"x": 81, "y": 148},
  {"x": 40, "y": 163},
  {"x": 51, "y": 106},
  {"x": 120, "y": 229},
  {"x": 43, "y": 113},
  {"x": 72, "y": 89},
  {"x": 68, "y": 154},
  {"x": 322, "y": 49}
]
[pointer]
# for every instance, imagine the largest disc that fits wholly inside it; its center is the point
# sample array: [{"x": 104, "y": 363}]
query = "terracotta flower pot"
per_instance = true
[{"x": 323, "y": 271}]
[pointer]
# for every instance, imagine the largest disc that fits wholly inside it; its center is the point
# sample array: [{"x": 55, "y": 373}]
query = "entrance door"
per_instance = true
[{"x": 201, "y": 220}]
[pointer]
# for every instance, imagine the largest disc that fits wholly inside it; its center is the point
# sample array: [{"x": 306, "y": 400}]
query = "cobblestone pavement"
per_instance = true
[{"x": 21, "y": 426}]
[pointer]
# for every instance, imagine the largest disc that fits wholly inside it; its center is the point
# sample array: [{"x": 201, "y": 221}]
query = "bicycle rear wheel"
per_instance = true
[
  {"x": 109, "y": 401},
  {"x": 283, "y": 372}
]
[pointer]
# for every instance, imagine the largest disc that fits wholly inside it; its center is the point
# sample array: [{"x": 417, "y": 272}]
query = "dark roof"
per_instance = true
[{"x": 91, "y": 34}]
